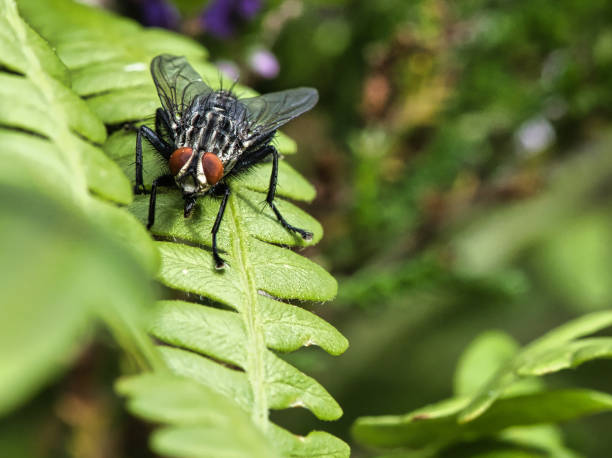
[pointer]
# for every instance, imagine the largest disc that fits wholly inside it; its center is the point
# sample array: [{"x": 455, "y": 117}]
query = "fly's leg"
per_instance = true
[
  {"x": 139, "y": 185},
  {"x": 253, "y": 158},
  {"x": 164, "y": 180},
  {"x": 270, "y": 198},
  {"x": 158, "y": 143},
  {"x": 219, "y": 263}
]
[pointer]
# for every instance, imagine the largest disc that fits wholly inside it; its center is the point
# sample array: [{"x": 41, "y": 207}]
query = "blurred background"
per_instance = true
[{"x": 461, "y": 154}]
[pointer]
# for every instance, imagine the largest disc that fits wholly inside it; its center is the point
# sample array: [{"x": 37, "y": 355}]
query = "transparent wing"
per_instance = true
[
  {"x": 270, "y": 111},
  {"x": 177, "y": 82}
]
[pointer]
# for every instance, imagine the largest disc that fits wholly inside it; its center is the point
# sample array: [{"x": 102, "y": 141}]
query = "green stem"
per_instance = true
[{"x": 256, "y": 347}]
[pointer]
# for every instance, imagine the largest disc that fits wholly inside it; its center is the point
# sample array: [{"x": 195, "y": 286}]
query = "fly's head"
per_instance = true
[{"x": 195, "y": 173}]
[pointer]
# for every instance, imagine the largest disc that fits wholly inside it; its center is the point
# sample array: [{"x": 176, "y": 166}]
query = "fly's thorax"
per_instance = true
[
  {"x": 220, "y": 134},
  {"x": 213, "y": 131}
]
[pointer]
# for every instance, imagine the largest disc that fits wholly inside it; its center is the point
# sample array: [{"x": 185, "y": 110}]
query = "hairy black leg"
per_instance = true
[
  {"x": 158, "y": 143},
  {"x": 256, "y": 156},
  {"x": 270, "y": 198},
  {"x": 164, "y": 180},
  {"x": 219, "y": 264}
]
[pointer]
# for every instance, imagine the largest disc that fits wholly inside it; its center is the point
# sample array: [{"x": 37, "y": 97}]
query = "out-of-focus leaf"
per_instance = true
[
  {"x": 57, "y": 273},
  {"x": 36, "y": 99},
  {"x": 499, "y": 391},
  {"x": 566, "y": 356},
  {"x": 63, "y": 263},
  {"x": 439, "y": 423},
  {"x": 481, "y": 359},
  {"x": 546, "y": 438},
  {"x": 549, "y": 353},
  {"x": 198, "y": 422}
]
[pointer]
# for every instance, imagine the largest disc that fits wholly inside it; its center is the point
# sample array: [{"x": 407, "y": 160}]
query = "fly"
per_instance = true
[{"x": 208, "y": 135}]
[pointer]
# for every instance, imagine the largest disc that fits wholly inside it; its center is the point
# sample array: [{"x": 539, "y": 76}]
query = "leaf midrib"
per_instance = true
[{"x": 256, "y": 347}]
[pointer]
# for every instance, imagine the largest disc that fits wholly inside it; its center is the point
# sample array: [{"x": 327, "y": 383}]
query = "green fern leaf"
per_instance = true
[
  {"x": 203, "y": 423},
  {"x": 560, "y": 349},
  {"x": 437, "y": 425},
  {"x": 60, "y": 243},
  {"x": 508, "y": 394},
  {"x": 226, "y": 338}
]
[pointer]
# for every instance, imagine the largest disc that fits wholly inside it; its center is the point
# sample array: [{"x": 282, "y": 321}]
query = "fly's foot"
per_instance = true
[
  {"x": 305, "y": 234},
  {"x": 219, "y": 263},
  {"x": 139, "y": 189}
]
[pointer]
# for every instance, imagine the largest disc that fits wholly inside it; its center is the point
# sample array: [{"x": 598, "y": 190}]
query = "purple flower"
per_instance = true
[
  {"x": 229, "y": 69},
  {"x": 264, "y": 63},
  {"x": 159, "y": 13},
  {"x": 248, "y": 8},
  {"x": 223, "y": 16}
]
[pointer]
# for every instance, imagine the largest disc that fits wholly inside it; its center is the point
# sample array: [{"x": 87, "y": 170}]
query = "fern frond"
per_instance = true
[{"x": 226, "y": 337}]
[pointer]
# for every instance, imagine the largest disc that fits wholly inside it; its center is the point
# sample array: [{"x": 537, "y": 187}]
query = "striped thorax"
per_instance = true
[{"x": 212, "y": 125}]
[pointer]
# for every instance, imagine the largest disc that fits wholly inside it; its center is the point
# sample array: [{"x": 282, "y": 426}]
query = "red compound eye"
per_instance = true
[
  {"x": 178, "y": 159},
  {"x": 213, "y": 168}
]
